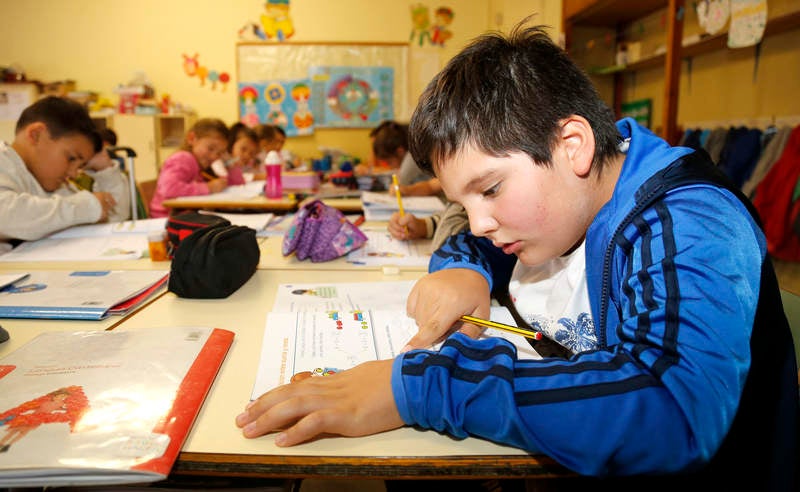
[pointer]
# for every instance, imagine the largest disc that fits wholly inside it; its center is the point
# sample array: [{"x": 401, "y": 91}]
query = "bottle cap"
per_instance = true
[{"x": 273, "y": 157}]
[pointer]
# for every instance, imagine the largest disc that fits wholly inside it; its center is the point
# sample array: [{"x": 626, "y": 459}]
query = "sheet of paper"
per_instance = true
[
  {"x": 259, "y": 222},
  {"x": 382, "y": 249},
  {"x": 142, "y": 226},
  {"x": 342, "y": 296},
  {"x": 298, "y": 345},
  {"x": 7, "y": 279},
  {"x": 114, "y": 247},
  {"x": 380, "y": 205},
  {"x": 231, "y": 193}
]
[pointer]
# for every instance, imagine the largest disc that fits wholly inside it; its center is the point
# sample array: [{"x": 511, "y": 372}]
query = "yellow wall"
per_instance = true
[{"x": 101, "y": 43}]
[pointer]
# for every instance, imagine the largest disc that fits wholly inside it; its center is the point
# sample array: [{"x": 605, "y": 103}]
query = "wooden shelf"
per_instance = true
[
  {"x": 710, "y": 44},
  {"x": 613, "y": 13}
]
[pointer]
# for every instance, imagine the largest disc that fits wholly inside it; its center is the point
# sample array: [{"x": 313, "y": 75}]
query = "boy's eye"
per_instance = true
[{"x": 492, "y": 190}]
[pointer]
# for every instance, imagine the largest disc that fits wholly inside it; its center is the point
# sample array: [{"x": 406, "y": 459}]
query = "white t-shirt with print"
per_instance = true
[{"x": 553, "y": 299}]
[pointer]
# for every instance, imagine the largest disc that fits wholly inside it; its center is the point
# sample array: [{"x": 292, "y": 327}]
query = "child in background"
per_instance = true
[
  {"x": 103, "y": 172},
  {"x": 54, "y": 138},
  {"x": 689, "y": 365},
  {"x": 240, "y": 157},
  {"x": 270, "y": 137},
  {"x": 186, "y": 172},
  {"x": 390, "y": 150}
]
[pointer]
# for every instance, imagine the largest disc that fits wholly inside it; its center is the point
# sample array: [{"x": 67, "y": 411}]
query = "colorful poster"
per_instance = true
[
  {"x": 280, "y": 102},
  {"x": 351, "y": 97}
]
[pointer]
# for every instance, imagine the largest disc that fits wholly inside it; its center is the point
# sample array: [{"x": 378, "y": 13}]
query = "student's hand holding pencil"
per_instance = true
[
  {"x": 438, "y": 300},
  {"x": 405, "y": 227}
]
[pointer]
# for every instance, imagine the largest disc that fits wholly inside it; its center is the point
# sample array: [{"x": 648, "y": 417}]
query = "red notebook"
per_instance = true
[{"x": 103, "y": 407}]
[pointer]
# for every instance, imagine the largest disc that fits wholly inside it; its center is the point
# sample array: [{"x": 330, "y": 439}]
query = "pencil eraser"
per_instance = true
[{"x": 391, "y": 270}]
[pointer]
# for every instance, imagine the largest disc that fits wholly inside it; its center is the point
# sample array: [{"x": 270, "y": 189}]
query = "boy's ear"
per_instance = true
[
  {"x": 577, "y": 139},
  {"x": 35, "y": 131}
]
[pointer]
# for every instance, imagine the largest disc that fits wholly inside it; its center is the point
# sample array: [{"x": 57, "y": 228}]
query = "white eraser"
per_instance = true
[{"x": 391, "y": 270}]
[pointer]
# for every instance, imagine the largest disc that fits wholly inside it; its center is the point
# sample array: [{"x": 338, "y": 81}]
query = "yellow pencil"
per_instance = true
[
  {"x": 533, "y": 335},
  {"x": 399, "y": 198}
]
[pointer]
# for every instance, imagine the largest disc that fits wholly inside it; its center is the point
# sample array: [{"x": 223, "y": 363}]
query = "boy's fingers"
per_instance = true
[{"x": 305, "y": 429}]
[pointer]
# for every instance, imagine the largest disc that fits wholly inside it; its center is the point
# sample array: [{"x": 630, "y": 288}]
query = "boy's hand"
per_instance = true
[
  {"x": 438, "y": 300},
  {"x": 217, "y": 185},
  {"x": 356, "y": 402},
  {"x": 107, "y": 203},
  {"x": 407, "y": 227},
  {"x": 99, "y": 161}
]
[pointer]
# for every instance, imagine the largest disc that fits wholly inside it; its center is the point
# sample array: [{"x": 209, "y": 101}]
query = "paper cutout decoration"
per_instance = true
[
  {"x": 192, "y": 68},
  {"x": 351, "y": 97},
  {"x": 443, "y": 17},
  {"x": 276, "y": 21},
  {"x": 712, "y": 15},
  {"x": 280, "y": 102},
  {"x": 422, "y": 30},
  {"x": 748, "y": 20}
]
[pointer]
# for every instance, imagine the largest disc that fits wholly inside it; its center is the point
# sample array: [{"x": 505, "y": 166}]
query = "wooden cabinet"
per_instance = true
[
  {"x": 153, "y": 137},
  {"x": 669, "y": 45}
]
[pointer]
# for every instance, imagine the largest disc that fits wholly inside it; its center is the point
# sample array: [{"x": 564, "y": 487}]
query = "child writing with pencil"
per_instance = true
[
  {"x": 103, "y": 173},
  {"x": 240, "y": 157},
  {"x": 187, "y": 171},
  {"x": 54, "y": 138},
  {"x": 689, "y": 370}
]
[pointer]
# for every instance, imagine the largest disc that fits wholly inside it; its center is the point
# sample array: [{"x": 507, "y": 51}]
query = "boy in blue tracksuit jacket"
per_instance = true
[{"x": 692, "y": 381}]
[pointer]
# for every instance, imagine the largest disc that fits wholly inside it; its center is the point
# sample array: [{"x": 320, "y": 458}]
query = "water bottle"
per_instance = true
[{"x": 273, "y": 164}]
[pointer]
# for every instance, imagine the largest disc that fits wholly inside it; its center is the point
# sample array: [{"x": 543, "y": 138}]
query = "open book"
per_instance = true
[
  {"x": 103, "y": 407},
  {"x": 91, "y": 295}
]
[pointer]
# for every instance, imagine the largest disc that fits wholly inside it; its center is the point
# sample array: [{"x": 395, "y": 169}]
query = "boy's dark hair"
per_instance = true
[
  {"x": 387, "y": 138},
  {"x": 269, "y": 132},
  {"x": 240, "y": 130},
  {"x": 63, "y": 117},
  {"x": 205, "y": 127},
  {"x": 108, "y": 136},
  {"x": 503, "y": 95}
]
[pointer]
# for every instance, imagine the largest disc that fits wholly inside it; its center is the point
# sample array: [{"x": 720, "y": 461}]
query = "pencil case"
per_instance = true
[
  {"x": 180, "y": 226},
  {"x": 322, "y": 233},
  {"x": 214, "y": 261}
]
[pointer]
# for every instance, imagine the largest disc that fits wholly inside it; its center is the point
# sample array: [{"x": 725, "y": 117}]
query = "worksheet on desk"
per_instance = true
[
  {"x": 382, "y": 249},
  {"x": 343, "y": 296},
  {"x": 298, "y": 345}
]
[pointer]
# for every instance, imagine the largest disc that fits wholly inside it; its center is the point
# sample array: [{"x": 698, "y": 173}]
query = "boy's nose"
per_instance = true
[{"x": 481, "y": 225}]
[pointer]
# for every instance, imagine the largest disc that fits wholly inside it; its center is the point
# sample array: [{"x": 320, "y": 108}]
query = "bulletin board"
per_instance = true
[{"x": 263, "y": 61}]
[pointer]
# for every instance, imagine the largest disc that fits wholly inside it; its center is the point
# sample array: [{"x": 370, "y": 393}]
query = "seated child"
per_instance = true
[
  {"x": 54, "y": 138},
  {"x": 240, "y": 157},
  {"x": 186, "y": 172},
  {"x": 103, "y": 173},
  {"x": 390, "y": 147},
  {"x": 688, "y": 365},
  {"x": 270, "y": 137}
]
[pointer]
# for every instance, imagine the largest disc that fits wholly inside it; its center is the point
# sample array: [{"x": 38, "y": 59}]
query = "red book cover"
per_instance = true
[{"x": 103, "y": 407}]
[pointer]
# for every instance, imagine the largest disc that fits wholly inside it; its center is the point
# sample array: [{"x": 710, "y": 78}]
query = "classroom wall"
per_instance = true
[{"x": 101, "y": 43}]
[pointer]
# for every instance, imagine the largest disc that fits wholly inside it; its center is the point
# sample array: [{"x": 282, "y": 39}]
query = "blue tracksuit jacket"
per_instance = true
[{"x": 694, "y": 363}]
